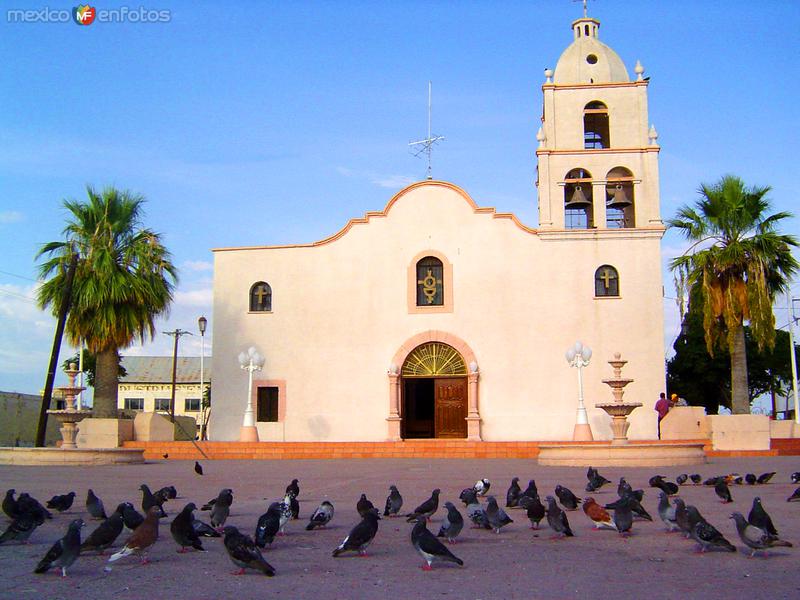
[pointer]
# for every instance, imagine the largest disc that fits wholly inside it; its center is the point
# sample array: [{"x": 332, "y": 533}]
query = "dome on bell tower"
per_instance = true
[{"x": 587, "y": 59}]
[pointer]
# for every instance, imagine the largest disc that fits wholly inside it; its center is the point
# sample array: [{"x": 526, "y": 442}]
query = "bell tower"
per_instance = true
[{"x": 597, "y": 154}]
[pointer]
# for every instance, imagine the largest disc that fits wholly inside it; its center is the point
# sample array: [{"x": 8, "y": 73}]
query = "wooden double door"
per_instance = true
[{"x": 434, "y": 407}]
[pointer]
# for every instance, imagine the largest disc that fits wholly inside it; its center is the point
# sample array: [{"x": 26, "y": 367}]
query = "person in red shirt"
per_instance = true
[{"x": 662, "y": 408}]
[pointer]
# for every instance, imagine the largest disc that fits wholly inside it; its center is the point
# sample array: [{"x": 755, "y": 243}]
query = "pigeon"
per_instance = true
[
  {"x": 531, "y": 491},
  {"x": 482, "y": 486},
  {"x": 363, "y": 506},
  {"x": 755, "y": 537},
  {"x": 394, "y": 501},
  {"x": 220, "y": 514},
  {"x": 795, "y": 497},
  {"x": 557, "y": 519},
  {"x": 244, "y": 553},
  {"x": 430, "y": 548},
  {"x": 598, "y": 515},
  {"x": 427, "y": 508},
  {"x": 695, "y": 478},
  {"x": 723, "y": 492},
  {"x": 322, "y": 516},
  {"x": 130, "y": 516},
  {"x": 27, "y": 504},
  {"x": 293, "y": 489},
  {"x": 204, "y": 529},
  {"x": 294, "y": 506},
  {"x": 105, "y": 534},
  {"x": 452, "y": 524},
  {"x": 167, "y": 493},
  {"x": 535, "y": 511},
  {"x": 705, "y": 534},
  {"x": 737, "y": 480},
  {"x": 634, "y": 503},
  {"x": 765, "y": 477},
  {"x": 20, "y": 529},
  {"x": 795, "y": 478},
  {"x": 149, "y": 500},
  {"x": 667, "y": 487},
  {"x": 596, "y": 481},
  {"x": 198, "y": 468},
  {"x": 623, "y": 516},
  {"x": 61, "y": 503},
  {"x": 268, "y": 525},
  {"x": 687, "y": 519},
  {"x": 713, "y": 480},
  {"x": 64, "y": 552},
  {"x": 182, "y": 530},
  {"x": 468, "y": 496},
  {"x": 286, "y": 514},
  {"x": 681, "y": 479},
  {"x": 666, "y": 512},
  {"x": 10, "y": 506},
  {"x": 496, "y": 516},
  {"x": 165, "y": 456},
  {"x": 750, "y": 479},
  {"x": 567, "y": 498},
  {"x": 623, "y": 487},
  {"x": 759, "y": 517},
  {"x": 361, "y": 535},
  {"x": 94, "y": 506},
  {"x": 476, "y": 513},
  {"x": 141, "y": 539},
  {"x": 513, "y": 493},
  {"x": 225, "y": 497}
]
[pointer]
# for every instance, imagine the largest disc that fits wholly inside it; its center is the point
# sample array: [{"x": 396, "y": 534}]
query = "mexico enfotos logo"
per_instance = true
[{"x": 85, "y": 14}]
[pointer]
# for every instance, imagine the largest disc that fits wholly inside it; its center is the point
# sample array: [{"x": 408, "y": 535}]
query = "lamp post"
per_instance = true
[
  {"x": 202, "y": 322},
  {"x": 791, "y": 302},
  {"x": 250, "y": 361},
  {"x": 578, "y": 356}
]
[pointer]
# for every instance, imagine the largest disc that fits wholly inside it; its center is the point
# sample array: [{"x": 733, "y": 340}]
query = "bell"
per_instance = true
[
  {"x": 578, "y": 200},
  {"x": 620, "y": 199}
]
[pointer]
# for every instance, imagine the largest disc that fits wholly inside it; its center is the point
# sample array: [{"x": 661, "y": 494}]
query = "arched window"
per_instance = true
[
  {"x": 606, "y": 281},
  {"x": 430, "y": 282},
  {"x": 619, "y": 199},
  {"x": 578, "y": 199},
  {"x": 595, "y": 125},
  {"x": 260, "y": 297}
]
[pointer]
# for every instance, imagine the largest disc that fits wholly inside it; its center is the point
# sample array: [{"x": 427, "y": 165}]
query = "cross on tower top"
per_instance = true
[{"x": 585, "y": 7}]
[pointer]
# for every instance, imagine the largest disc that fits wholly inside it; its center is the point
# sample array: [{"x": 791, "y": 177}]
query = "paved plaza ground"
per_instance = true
[{"x": 517, "y": 563}]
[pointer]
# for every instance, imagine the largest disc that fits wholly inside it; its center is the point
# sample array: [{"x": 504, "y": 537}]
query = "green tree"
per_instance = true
[
  {"x": 124, "y": 281},
  {"x": 741, "y": 262},
  {"x": 90, "y": 365}
]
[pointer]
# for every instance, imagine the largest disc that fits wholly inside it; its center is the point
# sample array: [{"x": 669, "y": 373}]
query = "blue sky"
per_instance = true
[{"x": 267, "y": 123}]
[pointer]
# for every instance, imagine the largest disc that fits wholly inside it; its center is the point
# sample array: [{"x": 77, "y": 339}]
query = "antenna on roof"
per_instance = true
[
  {"x": 585, "y": 11},
  {"x": 425, "y": 146}
]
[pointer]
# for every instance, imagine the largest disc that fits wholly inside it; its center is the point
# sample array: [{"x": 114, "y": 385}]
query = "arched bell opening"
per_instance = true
[
  {"x": 578, "y": 200},
  {"x": 620, "y": 199},
  {"x": 596, "y": 129}
]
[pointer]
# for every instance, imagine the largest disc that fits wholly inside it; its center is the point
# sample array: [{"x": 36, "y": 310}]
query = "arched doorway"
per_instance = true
[{"x": 433, "y": 387}]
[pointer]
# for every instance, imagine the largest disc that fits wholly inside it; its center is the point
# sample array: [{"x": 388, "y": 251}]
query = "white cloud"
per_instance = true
[
  {"x": 10, "y": 216},
  {"x": 194, "y": 298},
  {"x": 394, "y": 182},
  {"x": 197, "y": 265}
]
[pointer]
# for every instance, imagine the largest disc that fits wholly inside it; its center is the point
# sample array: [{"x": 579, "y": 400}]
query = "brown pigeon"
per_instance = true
[
  {"x": 142, "y": 538},
  {"x": 598, "y": 514}
]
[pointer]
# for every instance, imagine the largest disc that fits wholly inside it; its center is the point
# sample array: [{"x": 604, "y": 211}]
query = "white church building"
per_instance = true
[{"x": 437, "y": 317}]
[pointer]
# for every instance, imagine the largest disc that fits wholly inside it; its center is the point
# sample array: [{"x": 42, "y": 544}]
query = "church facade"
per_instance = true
[{"x": 437, "y": 317}]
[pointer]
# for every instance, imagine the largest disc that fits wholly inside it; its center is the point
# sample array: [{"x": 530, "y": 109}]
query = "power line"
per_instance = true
[
  {"x": 20, "y": 296},
  {"x": 19, "y": 276}
]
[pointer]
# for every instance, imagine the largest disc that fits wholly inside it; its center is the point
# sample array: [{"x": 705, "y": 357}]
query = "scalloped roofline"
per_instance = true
[{"x": 368, "y": 216}]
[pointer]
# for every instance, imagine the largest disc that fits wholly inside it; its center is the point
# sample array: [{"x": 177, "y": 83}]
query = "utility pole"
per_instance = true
[
  {"x": 177, "y": 335},
  {"x": 47, "y": 396}
]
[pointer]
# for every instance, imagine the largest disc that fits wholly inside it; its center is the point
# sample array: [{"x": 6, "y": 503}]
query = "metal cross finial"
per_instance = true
[{"x": 425, "y": 146}]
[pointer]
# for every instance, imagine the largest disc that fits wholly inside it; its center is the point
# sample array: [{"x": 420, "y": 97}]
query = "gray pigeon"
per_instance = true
[
  {"x": 268, "y": 525},
  {"x": 755, "y": 537},
  {"x": 705, "y": 534},
  {"x": 496, "y": 516},
  {"x": 568, "y": 500},
  {"x": 666, "y": 512},
  {"x": 149, "y": 500},
  {"x": 427, "y": 508},
  {"x": 322, "y": 516},
  {"x": 20, "y": 529},
  {"x": 183, "y": 532},
  {"x": 723, "y": 491},
  {"x": 204, "y": 529},
  {"x": 513, "y": 493},
  {"x": 62, "y": 502},
  {"x": 130, "y": 516},
  {"x": 623, "y": 516},
  {"x": 220, "y": 514},
  {"x": 64, "y": 552},
  {"x": 364, "y": 505},
  {"x": 361, "y": 536},
  {"x": 452, "y": 524},
  {"x": 244, "y": 553},
  {"x": 759, "y": 517},
  {"x": 557, "y": 519},
  {"x": 94, "y": 506},
  {"x": 429, "y": 548},
  {"x": 394, "y": 501},
  {"x": 682, "y": 479},
  {"x": 535, "y": 511},
  {"x": 477, "y": 514},
  {"x": 105, "y": 534}
]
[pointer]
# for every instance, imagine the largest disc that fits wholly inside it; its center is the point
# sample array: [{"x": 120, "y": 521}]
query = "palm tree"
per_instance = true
[
  {"x": 741, "y": 262},
  {"x": 124, "y": 279}
]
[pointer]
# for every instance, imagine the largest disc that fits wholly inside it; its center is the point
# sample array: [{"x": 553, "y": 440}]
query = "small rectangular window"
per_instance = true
[
  {"x": 267, "y": 405},
  {"x": 162, "y": 405},
  {"x": 191, "y": 404},
  {"x": 134, "y": 403}
]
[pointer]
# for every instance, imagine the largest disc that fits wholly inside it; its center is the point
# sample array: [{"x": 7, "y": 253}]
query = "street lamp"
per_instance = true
[
  {"x": 578, "y": 356},
  {"x": 202, "y": 322},
  {"x": 250, "y": 361},
  {"x": 791, "y": 302}
]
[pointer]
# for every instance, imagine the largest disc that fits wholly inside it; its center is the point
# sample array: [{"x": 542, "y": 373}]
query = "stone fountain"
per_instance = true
[
  {"x": 618, "y": 409},
  {"x": 71, "y": 415}
]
